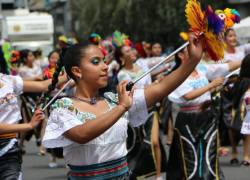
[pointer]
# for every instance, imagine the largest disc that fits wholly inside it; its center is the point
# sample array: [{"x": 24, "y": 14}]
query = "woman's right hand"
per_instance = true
[
  {"x": 125, "y": 97},
  {"x": 37, "y": 118},
  {"x": 217, "y": 82}
]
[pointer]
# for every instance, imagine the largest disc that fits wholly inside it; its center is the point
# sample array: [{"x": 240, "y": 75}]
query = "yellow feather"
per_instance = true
[
  {"x": 195, "y": 16},
  {"x": 214, "y": 46},
  {"x": 198, "y": 23}
]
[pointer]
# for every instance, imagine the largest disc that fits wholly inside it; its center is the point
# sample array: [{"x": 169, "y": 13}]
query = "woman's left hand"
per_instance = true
[{"x": 195, "y": 50}]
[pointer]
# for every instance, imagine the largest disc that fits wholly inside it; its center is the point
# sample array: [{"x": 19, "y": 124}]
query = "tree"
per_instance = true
[{"x": 150, "y": 20}]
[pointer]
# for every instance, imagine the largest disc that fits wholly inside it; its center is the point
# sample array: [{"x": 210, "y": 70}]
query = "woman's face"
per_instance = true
[
  {"x": 156, "y": 50},
  {"x": 94, "y": 71},
  {"x": 30, "y": 58},
  {"x": 53, "y": 59},
  {"x": 128, "y": 55},
  {"x": 231, "y": 39}
]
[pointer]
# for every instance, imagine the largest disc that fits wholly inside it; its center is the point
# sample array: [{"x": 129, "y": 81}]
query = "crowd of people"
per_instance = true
[{"x": 104, "y": 131}]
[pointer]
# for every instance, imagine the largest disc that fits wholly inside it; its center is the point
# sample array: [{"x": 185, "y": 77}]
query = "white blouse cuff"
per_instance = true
[
  {"x": 60, "y": 121},
  {"x": 138, "y": 113}
]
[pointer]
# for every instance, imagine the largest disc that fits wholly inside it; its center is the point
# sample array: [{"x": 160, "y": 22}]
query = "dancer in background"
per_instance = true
[
  {"x": 195, "y": 122},
  {"x": 241, "y": 102},
  {"x": 233, "y": 52},
  {"x": 10, "y": 88}
]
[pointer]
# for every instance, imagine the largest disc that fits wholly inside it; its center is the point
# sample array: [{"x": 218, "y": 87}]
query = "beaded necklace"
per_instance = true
[{"x": 91, "y": 101}]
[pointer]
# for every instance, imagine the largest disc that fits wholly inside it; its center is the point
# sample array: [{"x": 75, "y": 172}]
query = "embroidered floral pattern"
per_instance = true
[
  {"x": 68, "y": 104},
  {"x": 63, "y": 113},
  {"x": 7, "y": 98},
  {"x": 12, "y": 86}
]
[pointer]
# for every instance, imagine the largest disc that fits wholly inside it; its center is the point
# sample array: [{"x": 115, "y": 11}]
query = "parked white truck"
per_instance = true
[{"x": 29, "y": 30}]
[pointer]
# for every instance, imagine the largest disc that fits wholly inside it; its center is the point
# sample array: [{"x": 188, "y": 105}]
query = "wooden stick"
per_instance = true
[{"x": 168, "y": 59}]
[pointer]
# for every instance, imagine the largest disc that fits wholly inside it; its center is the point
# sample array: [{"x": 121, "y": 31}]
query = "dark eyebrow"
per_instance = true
[{"x": 98, "y": 57}]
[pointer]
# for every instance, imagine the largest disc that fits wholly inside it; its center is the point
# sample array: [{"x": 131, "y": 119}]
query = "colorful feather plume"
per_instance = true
[
  {"x": 49, "y": 71},
  {"x": 211, "y": 25},
  {"x": 214, "y": 23},
  {"x": 195, "y": 16},
  {"x": 95, "y": 38},
  {"x": 6, "y": 49},
  {"x": 63, "y": 38},
  {"x": 119, "y": 39},
  {"x": 15, "y": 56},
  {"x": 229, "y": 16},
  {"x": 184, "y": 36}
]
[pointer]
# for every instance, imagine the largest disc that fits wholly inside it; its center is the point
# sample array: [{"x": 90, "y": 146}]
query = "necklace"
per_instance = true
[{"x": 91, "y": 101}]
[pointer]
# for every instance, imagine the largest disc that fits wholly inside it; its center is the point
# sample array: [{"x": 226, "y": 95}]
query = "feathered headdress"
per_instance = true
[
  {"x": 95, "y": 38},
  {"x": 119, "y": 39},
  {"x": 229, "y": 16},
  {"x": 6, "y": 49},
  {"x": 184, "y": 36},
  {"x": 210, "y": 25},
  {"x": 63, "y": 39},
  {"x": 15, "y": 56}
]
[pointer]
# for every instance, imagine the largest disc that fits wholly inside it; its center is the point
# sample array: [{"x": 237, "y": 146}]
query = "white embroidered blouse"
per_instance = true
[
  {"x": 245, "y": 129},
  {"x": 240, "y": 53},
  {"x": 110, "y": 145},
  {"x": 11, "y": 87},
  {"x": 130, "y": 76},
  {"x": 206, "y": 72}
]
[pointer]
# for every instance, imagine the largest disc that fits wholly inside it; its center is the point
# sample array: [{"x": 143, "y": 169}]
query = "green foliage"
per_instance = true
[{"x": 150, "y": 20}]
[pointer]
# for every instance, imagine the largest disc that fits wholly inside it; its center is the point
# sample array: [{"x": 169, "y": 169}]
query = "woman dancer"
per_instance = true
[
  {"x": 92, "y": 129},
  {"x": 130, "y": 71},
  {"x": 193, "y": 151},
  {"x": 233, "y": 52},
  {"x": 241, "y": 99},
  {"x": 29, "y": 70},
  {"x": 10, "y": 88}
]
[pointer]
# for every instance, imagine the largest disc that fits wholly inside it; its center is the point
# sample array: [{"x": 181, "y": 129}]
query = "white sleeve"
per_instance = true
[
  {"x": 22, "y": 73},
  {"x": 245, "y": 128},
  {"x": 247, "y": 48},
  {"x": 17, "y": 82},
  {"x": 153, "y": 61},
  {"x": 143, "y": 63},
  {"x": 123, "y": 76},
  {"x": 216, "y": 70},
  {"x": 39, "y": 71},
  {"x": 60, "y": 121},
  {"x": 177, "y": 95},
  {"x": 138, "y": 112}
]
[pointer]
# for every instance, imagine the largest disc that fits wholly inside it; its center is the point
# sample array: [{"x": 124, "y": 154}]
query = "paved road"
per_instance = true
[{"x": 36, "y": 167}]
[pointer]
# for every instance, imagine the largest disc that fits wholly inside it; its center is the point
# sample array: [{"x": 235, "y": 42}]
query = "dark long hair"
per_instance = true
[
  {"x": 69, "y": 57},
  {"x": 118, "y": 54},
  {"x": 52, "y": 52},
  {"x": 243, "y": 83},
  {"x": 24, "y": 54},
  {"x": 227, "y": 32},
  {"x": 52, "y": 86}
]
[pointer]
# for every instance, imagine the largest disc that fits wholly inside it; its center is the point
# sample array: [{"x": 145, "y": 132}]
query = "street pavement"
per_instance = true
[{"x": 35, "y": 167}]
